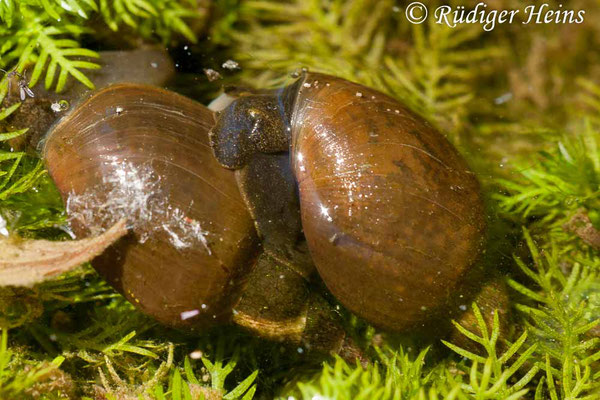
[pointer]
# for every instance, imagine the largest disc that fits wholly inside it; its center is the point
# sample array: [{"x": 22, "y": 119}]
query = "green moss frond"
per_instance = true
[
  {"x": 562, "y": 320},
  {"x": 11, "y": 160},
  {"x": 19, "y": 174},
  {"x": 219, "y": 369},
  {"x": 437, "y": 75},
  {"x": 492, "y": 376},
  {"x": 82, "y": 285},
  {"x": 393, "y": 375},
  {"x": 114, "y": 387},
  {"x": 555, "y": 185},
  {"x": 590, "y": 97},
  {"x": 280, "y": 37},
  {"x": 174, "y": 382},
  {"x": 20, "y": 379},
  {"x": 153, "y": 17},
  {"x": 112, "y": 331},
  {"x": 54, "y": 49}
]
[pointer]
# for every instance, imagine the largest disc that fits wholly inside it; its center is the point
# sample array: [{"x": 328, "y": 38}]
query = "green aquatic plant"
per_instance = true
[
  {"x": 28, "y": 200},
  {"x": 485, "y": 90},
  {"x": 398, "y": 374},
  {"x": 590, "y": 97},
  {"x": 557, "y": 185},
  {"x": 182, "y": 383},
  {"x": 45, "y": 36},
  {"x": 154, "y": 371},
  {"x": 21, "y": 378},
  {"x": 492, "y": 377},
  {"x": 14, "y": 180},
  {"x": 562, "y": 320},
  {"x": 394, "y": 375}
]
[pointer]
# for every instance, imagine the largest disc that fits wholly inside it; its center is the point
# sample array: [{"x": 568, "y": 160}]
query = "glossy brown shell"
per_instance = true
[
  {"x": 142, "y": 153},
  {"x": 391, "y": 212}
]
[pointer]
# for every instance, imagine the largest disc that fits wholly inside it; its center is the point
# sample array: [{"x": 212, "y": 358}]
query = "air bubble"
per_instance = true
[{"x": 60, "y": 106}]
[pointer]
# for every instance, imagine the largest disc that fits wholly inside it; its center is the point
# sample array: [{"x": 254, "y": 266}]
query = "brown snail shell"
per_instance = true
[
  {"x": 392, "y": 214},
  {"x": 142, "y": 153}
]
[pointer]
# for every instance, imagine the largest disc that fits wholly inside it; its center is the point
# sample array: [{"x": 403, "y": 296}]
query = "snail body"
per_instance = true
[{"x": 392, "y": 215}]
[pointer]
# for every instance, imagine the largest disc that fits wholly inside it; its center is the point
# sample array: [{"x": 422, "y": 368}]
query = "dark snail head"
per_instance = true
[
  {"x": 391, "y": 212},
  {"x": 244, "y": 126},
  {"x": 141, "y": 153}
]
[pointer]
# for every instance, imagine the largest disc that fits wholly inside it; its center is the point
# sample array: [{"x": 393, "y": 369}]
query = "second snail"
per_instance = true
[{"x": 236, "y": 216}]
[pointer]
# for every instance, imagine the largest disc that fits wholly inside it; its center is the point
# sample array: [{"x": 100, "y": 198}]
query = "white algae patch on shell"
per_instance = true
[{"x": 134, "y": 192}]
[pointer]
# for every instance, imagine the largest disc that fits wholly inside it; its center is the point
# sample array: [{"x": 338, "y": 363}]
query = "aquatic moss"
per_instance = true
[{"x": 522, "y": 106}]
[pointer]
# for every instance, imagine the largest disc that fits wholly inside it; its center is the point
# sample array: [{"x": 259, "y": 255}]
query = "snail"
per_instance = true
[
  {"x": 392, "y": 214},
  {"x": 193, "y": 258},
  {"x": 231, "y": 214}
]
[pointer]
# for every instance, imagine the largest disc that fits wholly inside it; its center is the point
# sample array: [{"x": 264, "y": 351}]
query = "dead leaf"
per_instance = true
[
  {"x": 27, "y": 262},
  {"x": 581, "y": 225}
]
